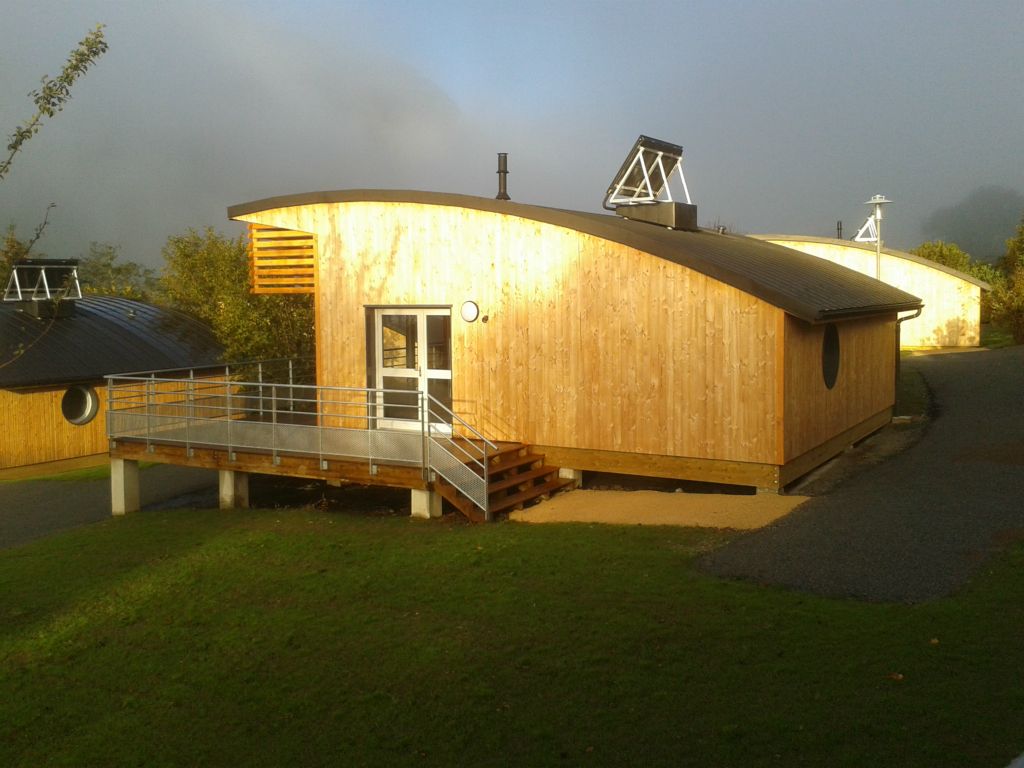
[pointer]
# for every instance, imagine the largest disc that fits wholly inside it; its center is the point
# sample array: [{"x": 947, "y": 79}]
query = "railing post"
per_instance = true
[
  {"x": 149, "y": 412},
  {"x": 291, "y": 385},
  {"x": 259, "y": 380},
  {"x": 425, "y": 432},
  {"x": 273, "y": 423},
  {"x": 110, "y": 408},
  {"x": 189, "y": 413},
  {"x": 230, "y": 415},
  {"x": 320, "y": 427},
  {"x": 487, "y": 484}
]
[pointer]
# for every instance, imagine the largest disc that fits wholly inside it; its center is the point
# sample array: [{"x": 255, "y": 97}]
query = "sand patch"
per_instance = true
[{"x": 709, "y": 510}]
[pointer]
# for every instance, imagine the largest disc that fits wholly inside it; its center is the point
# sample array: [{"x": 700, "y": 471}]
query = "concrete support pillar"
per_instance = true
[
  {"x": 576, "y": 475},
  {"x": 234, "y": 489},
  {"x": 425, "y": 504},
  {"x": 124, "y": 486}
]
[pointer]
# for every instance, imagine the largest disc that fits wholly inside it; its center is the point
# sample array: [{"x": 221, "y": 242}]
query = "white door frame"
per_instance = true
[{"x": 421, "y": 372}]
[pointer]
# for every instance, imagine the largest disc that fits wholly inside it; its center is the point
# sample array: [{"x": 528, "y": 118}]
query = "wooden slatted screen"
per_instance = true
[{"x": 281, "y": 260}]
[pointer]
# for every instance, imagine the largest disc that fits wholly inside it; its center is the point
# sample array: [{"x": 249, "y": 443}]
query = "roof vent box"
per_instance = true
[
  {"x": 672, "y": 215},
  {"x": 49, "y": 308}
]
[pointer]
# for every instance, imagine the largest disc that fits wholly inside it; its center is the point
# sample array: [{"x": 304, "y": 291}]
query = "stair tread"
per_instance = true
[
  {"x": 528, "y": 495},
  {"x": 514, "y": 462},
  {"x": 513, "y": 480},
  {"x": 476, "y": 454}
]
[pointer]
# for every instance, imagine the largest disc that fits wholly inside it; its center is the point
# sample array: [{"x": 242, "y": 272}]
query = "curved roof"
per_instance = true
[
  {"x": 888, "y": 251},
  {"x": 805, "y": 286},
  {"x": 104, "y": 335}
]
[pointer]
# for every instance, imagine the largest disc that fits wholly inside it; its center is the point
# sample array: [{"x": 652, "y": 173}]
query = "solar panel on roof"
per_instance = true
[{"x": 645, "y": 175}]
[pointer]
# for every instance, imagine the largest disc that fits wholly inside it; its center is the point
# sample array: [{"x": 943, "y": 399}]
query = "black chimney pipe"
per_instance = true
[{"x": 502, "y": 177}]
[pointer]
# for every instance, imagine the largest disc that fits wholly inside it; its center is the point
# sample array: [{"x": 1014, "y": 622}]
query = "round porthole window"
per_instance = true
[
  {"x": 830, "y": 355},
  {"x": 80, "y": 404}
]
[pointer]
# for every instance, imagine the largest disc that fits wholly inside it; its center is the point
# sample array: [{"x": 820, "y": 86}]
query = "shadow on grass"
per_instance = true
[{"x": 306, "y": 637}]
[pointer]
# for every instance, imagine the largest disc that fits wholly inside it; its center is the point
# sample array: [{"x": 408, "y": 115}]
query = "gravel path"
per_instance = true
[
  {"x": 917, "y": 526},
  {"x": 30, "y": 509}
]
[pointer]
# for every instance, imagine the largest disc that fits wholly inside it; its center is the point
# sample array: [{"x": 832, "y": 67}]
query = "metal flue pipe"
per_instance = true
[{"x": 502, "y": 177}]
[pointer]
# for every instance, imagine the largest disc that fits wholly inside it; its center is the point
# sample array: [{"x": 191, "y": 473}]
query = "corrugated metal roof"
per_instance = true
[
  {"x": 888, "y": 251},
  {"x": 805, "y": 286},
  {"x": 104, "y": 335}
]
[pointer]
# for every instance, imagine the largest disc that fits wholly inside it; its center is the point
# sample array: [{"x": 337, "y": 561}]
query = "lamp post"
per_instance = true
[{"x": 878, "y": 201}]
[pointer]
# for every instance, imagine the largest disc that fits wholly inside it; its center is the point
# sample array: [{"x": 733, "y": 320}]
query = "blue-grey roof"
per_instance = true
[
  {"x": 104, "y": 335},
  {"x": 802, "y": 285}
]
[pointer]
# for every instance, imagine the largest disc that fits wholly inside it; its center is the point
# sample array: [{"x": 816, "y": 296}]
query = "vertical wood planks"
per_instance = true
[
  {"x": 589, "y": 344},
  {"x": 36, "y": 431}
]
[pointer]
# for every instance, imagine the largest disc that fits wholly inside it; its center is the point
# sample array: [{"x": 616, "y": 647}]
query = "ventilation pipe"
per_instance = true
[{"x": 502, "y": 177}]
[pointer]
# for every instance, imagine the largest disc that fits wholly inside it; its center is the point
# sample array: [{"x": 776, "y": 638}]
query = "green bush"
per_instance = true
[{"x": 1007, "y": 298}]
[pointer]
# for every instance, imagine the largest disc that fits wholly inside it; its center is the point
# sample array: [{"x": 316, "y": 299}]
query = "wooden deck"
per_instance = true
[{"x": 265, "y": 463}]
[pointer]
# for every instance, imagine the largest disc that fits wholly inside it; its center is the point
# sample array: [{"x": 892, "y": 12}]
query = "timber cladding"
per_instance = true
[
  {"x": 864, "y": 382},
  {"x": 281, "y": 260},
  {"x": 607, "y": 343},
  {"x": 35, "y": 431},
  {"x": 588, "y": 343}
]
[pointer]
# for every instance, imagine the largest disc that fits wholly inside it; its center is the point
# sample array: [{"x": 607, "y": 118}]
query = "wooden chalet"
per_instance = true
[
  {"x": 56, "y": 348},
  {"x": 463, "y": 340}
]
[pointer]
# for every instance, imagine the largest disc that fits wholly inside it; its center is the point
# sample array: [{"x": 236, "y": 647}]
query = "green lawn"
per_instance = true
[{"x": 297, "y": 637}]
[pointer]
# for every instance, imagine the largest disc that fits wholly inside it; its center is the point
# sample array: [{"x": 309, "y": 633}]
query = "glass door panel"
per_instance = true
[
  {"x": 413, "y": 350},
  {"x": 440, "y": 390},
  {"x": 439, "y": 342},
  {"x": 402, "y": 398},
  {"x": 399, "y": 341}
]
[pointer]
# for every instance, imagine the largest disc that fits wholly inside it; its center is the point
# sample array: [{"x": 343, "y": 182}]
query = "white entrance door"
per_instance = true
[{"x": 413, "y": 356}]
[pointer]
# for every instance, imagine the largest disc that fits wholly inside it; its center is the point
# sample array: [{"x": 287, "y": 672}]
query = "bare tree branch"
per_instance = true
[{"x": 52, "y": 95}]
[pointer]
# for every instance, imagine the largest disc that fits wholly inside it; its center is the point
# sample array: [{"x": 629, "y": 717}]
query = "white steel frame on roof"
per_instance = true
[
  {"x": 656, "y": 161},
  {"x": 867, "y": 233},
  {"x": 65, "y": 279}
]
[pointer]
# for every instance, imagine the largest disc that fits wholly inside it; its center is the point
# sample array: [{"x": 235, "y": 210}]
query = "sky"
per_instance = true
[{"x": 791, "y": 114}]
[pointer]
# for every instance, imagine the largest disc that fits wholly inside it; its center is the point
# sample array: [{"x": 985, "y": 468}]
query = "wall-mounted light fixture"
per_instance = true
[{"x": 470, "y": 311}]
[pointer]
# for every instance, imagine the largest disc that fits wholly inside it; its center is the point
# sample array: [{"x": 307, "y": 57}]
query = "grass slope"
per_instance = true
[{"x": 307, "y": 638}]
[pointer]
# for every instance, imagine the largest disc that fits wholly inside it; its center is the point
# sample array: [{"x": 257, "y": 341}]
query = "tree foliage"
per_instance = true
[
  {"x": 49, "y": 99},
  {"x": 1008, "y": 296},
  {"x": 952, "y": 256},
  {"x": 207, "y": 275},
  {"x": 103, "y": 273},
  {"x": 13, "y": 249},
  {"x": 53, "y": 94},
  {"x": 1014, "y": 256},
  {"x": 948, "y": 254}
]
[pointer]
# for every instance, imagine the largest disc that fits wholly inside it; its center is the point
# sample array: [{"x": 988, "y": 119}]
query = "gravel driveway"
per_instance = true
[{"x": 918, "y": 525}]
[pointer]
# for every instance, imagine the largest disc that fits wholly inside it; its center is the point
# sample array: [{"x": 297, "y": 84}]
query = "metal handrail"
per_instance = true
[
  {"x": 481, "y": 460},
  {"x": 219, "y": 410},
  {"x": 304, "y": 363}
]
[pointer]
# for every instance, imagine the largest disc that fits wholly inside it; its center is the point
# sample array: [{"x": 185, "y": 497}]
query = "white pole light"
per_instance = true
[{"x": 878, "y": 201}]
